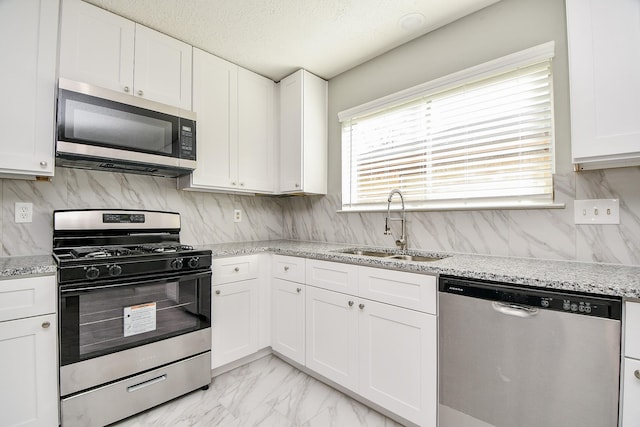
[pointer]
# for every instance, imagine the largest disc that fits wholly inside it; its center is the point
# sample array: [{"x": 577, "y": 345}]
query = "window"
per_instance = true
[{"x": 479, "y": 138}]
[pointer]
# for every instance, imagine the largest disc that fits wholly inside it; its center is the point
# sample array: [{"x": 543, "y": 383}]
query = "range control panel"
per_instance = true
[{"x": 568, "y": 302}]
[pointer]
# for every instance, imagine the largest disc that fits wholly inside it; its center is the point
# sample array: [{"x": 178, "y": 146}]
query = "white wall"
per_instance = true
[{"x": 503, "y": 28}]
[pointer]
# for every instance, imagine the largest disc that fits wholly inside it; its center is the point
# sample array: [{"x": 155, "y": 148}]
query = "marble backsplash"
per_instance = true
[
  {"x": 534, "y": 233},
  {"x": 207, "y": 218}
]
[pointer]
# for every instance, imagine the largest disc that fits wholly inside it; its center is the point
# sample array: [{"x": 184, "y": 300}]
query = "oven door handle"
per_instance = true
[
  {"x": 147, "y": 383},
  {"x": 150, "y": 280}
]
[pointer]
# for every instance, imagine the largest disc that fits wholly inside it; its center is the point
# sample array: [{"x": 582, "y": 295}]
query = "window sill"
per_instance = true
[{"x": 454, "y": 207}]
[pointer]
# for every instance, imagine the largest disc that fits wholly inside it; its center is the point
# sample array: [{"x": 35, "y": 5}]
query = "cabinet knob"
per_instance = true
[
  {"x": 350, "y": 303},
  {"x": 286, "y": 268},
  {"x": 242, "y": 184},
  {"x": 233, "y": 183},
  {"x": 126, "y": 89},
  {"x": 361, "y": 306},
  {"x": 43, "y": 164},
  {"x": 140, "y": 93},
  {"x": 637, "y": 373},
  {"x": 297, "y": 185},
  {"x": 45, "y": 325},
  {"x": 236, "y": 269},
  {"x": 298, "y": 290},
  {"x": 217, "y": 291}
]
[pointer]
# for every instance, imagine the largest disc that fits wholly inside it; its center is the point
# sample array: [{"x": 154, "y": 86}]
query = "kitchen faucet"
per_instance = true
[{"x": 402, "y": 241}]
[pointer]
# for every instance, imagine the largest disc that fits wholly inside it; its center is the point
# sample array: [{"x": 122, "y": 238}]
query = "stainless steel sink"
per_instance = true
[{"x": 393, "y": 255}]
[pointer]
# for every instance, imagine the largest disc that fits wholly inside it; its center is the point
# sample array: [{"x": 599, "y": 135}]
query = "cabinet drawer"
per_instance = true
[
  {"x": 333, "y": 276},
  {"x": 234, "y": 269},
  {"x": 288, "y": 268},
  {"x": 408, "y": 290},
  {"x": 27, "y": 297},
  {"x": 632, "y": 329}
]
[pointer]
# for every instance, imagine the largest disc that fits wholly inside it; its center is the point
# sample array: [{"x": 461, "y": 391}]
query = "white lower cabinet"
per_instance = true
[
  {"x": 28, "y": 345},
  {"x": 398, "y": 360},
  {"x": 235, "y": 309},
  {"x": 332, "y": 336},
  {"x": 383, "y": 352},
  {"x": 288, "y": 319},
  {"x": 630, "y": 416}
]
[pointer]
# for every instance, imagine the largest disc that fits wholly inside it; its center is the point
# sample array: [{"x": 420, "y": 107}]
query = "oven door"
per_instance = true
[{"x": 100, "y": 319}]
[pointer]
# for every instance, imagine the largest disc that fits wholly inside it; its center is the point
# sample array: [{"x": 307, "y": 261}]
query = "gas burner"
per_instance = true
[
  {"x": 97, "y": 252},
  {"x": 165, "y": 248}
]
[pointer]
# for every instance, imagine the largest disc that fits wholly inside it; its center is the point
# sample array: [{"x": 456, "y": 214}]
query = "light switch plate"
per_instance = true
[{"x": 597, "y": 211}]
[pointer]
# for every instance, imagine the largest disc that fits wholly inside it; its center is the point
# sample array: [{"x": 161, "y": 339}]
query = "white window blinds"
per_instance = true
[{"x": 487, "y": 141}]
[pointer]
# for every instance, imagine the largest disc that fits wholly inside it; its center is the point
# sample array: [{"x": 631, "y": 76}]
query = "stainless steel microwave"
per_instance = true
[{"x": 102, "y": 129}]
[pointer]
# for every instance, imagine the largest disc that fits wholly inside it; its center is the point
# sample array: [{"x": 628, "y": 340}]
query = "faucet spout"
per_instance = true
[{"x": 402, "y": 241}]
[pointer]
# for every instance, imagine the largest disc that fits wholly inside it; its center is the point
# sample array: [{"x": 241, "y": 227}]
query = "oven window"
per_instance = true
[{"x": 104, "y": 320}]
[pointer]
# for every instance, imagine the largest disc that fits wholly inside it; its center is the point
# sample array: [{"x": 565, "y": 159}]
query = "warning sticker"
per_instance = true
[{"x": 139, "y": 319}]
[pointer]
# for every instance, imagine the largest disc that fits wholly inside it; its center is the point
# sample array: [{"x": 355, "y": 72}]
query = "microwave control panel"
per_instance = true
[{"x": 187, "y": 137}]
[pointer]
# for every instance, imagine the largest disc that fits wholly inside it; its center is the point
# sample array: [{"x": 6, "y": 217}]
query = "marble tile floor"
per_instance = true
[{"x": 267, "y": 393}]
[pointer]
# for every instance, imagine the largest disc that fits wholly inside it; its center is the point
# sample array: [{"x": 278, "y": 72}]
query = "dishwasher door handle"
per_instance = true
[{"x": 514, "y": 309}]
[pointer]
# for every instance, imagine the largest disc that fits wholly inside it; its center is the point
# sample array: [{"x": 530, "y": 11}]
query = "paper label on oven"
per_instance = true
[{"x": 139, "y": 319}]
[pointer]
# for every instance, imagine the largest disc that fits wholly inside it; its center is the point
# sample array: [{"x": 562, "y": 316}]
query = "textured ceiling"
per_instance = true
[{"x": 276, "y": 37}]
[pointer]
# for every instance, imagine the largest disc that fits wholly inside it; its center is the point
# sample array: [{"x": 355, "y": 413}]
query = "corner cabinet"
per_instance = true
[
  {"x": 29, "y": 34},
  {"x": 28, "y": 344},
  {"x": 235, "y": 128},
  {"x": 604, "y": 38},
  {"x": 303, "y": 134},
  {"x": 107, "y": 50}
]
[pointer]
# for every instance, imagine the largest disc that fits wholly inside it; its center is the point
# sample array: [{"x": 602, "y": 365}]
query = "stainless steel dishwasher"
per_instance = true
[{"x": 513, "y": 356}]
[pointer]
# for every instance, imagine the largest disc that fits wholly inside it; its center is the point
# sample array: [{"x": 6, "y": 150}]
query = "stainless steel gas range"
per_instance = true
[{"x": 134, "y": 311}]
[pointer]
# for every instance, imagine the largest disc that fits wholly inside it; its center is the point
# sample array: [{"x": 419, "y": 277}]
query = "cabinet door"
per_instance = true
[
  {"x": 215, "y": 101},
  {"x": 234, "y": 321},
  {"x": 397, "y": 360},
  {"x": 256, "y": 142},
  {"x": 96, "y": 46},
  {"x": 604, "y": 38},
  {"x": 287, "y": 319},
  {"x": 28, "y": 45},
  {"x": 631, "y": 393},
  {"x": 29, "y": 372},
  {"x": 291, "y": 115},
  {"x": 331, "y": 336},
  {"x": 162, "y": 68}
]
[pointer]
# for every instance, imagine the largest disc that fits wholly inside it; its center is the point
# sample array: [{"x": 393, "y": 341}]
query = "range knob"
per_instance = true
[
  {"x": 92, "y": 272},
  {"x": 194, "y": 261},
  {"x": 114, "y": 270},
  {"x": 176, "y": 264}
]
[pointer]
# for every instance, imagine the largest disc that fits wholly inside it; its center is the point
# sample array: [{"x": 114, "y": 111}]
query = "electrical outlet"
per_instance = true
[
  {"x": 597, "y": 211},
  {"x": 24, "y": 212},
  {"x": 237, "y": 215}
]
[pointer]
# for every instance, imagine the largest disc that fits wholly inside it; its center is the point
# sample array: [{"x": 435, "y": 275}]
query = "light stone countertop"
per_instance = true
[{"x": 604, "y": 279}]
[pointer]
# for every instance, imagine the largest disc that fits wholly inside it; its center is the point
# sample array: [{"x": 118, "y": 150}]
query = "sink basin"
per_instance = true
[{"x": 393, "y": 255}]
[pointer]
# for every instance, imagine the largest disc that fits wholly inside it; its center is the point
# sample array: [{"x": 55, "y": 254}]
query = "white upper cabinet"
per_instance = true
[
  {"x": 604, "y": 39},
  {"x": 256, "y": 132},
  {"x": 215, "y": 85},
  {"x": 28, "y": 45},
  {"x": 104, "y": 49},
  {"x": 235, "y": 128},
  {"x": 303, "y": 134}
]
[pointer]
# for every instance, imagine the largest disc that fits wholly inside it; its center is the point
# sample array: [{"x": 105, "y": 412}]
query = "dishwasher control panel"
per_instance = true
[{"x": 543, "y": 298}]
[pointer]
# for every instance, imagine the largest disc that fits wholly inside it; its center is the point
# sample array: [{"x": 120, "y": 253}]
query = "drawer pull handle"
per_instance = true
[
  {"x": 45, "y": 325},
  {"x": 637, "y": 373},
  {"x": 236, "y": 269},
  {"x": 217, "y": 291},
  {"x": 361, "y": 306},
  {"x": 350, "y": 303},
  {"x": 147, "y": 383},
  {"x": 286, "y": 268},
  {"x": 298, "y": 290}
]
